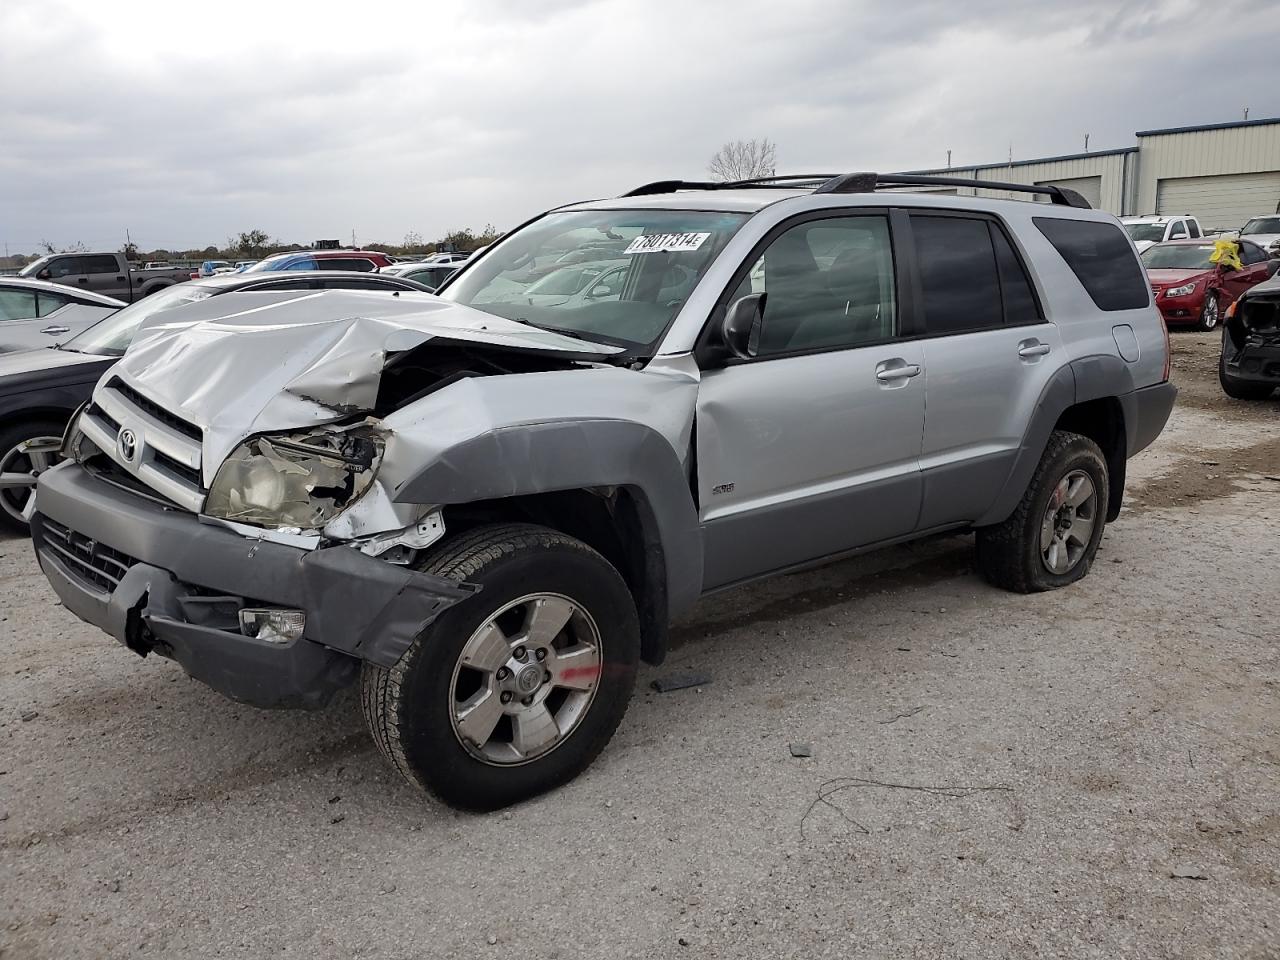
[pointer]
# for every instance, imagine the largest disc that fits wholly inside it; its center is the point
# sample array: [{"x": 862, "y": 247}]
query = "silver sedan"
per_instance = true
[{"x": 38, "y": 313}]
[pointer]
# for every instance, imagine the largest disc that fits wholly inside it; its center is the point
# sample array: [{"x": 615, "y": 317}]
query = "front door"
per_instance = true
[{"x": 810, "y": 447}]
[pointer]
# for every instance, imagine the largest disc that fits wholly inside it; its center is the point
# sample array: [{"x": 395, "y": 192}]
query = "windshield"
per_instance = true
[
  {"x": 540, "y": 274},
  {"x": 303, "y": 262},
  {"x": 31, "y": 269},
  {"x": 1145, "y": 231},
  {"x": 112, "y": 336},
  {"x": 1178, "y": 256},
  {"x": 1261, "y": 225}
]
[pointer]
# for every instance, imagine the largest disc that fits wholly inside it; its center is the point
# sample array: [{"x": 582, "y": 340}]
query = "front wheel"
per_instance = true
[
  {"x": 19, "y": 467},
  {"x": 1209, "y": 312},
  {"x": 1053, "y": 535},
  {"x": 516, "y": 690}
]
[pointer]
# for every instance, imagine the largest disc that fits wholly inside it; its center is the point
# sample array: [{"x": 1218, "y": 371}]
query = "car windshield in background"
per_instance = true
[
  {"x": 302, "y": 262},
  {"x": 111, "y": 337},
  {"x": 615, "y": 276},
  {"x": 31, "y": 269},
  {"x": 1261, "y": 225},
  {"x": 1178, "y": 256},
  {"x": 1145, "y": 231}
]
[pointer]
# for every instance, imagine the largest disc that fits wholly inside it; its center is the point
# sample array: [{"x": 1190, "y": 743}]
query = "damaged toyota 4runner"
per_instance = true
[{"x": 485, "y": 507}]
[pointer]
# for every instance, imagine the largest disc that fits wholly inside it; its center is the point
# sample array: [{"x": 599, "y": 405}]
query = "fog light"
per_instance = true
[{"x": 274, "y": 626}]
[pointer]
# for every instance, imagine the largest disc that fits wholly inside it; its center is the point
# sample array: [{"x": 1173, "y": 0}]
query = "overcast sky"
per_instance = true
[{"x": 186, "y": 125}]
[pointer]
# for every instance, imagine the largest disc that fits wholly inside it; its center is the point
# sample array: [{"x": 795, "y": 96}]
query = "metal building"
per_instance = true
[{"x": 1222, "y": 173}]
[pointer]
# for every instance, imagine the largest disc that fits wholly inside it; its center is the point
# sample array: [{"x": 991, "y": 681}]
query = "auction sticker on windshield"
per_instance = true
[{"x": 667, "y": 242}]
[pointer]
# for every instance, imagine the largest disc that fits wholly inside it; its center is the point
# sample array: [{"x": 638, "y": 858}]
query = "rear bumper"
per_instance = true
[
  {"x": 1146, "y": 411},
  {"x": 161, "y": 580}
]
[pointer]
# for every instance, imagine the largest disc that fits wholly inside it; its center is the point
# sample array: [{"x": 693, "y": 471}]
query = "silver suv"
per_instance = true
[{"x": 486, "y": 507}]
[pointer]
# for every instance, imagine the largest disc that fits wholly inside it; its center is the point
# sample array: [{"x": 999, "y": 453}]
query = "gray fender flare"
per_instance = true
[
  {"x": 1084, "y": 379},
  {"x": 570, "y": 455}
]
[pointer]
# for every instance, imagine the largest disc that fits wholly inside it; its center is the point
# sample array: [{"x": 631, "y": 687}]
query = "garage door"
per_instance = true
[
  {"x": 1223, "y": 202},
  {"x": 1088, "y": 187}
]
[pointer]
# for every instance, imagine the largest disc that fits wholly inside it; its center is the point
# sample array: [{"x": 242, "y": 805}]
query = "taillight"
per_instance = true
[
  {"x": 195, "y": 276},
  {"x": 1168, "y": 351}
]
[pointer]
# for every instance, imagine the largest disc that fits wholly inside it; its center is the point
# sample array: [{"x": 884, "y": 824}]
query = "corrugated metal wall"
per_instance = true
[
  {"x": 1109, "y": 167},
  {"x": 1204, "y": 153}
]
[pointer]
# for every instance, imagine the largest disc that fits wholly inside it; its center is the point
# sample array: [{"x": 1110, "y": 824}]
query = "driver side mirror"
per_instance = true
[
  {"x": 44, "y": 274},
  {"x": 736, "y": 336},
  {"x": 740, "y": 330}
]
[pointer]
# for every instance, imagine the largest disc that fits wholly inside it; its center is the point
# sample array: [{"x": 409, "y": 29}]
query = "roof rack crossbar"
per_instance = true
[{"x": 864, "y": 182}]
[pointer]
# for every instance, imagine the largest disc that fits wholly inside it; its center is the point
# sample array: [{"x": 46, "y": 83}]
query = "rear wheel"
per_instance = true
[
  {"x": 19, "y": 467},
  {"x": 1053, "y": 535},
  {"x": 516, "y": 690}
]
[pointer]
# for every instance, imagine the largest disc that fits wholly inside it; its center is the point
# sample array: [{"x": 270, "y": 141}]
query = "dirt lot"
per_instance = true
[{"x": 993, "y": 775}]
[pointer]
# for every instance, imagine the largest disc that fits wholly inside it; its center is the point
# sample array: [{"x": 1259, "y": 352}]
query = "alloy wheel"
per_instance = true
[
  {"x": 525, "y": 679},
  {"x": 1069, "y": 522}
]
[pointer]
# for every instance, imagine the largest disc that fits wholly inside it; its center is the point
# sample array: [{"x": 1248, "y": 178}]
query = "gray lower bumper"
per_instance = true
[
  {"x": 181, "y": 583},
  {"x": 1146, "y": 411}
]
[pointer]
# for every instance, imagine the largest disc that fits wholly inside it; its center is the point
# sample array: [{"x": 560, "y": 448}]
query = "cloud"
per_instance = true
[{"x": 313, "y": 121}]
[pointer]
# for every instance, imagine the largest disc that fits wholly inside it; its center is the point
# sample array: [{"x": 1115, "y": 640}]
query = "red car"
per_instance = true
[{"x": 1190, "y": 288}]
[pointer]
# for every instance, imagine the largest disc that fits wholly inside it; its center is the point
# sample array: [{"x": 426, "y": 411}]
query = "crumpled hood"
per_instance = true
[{"x": 250, "y": 362}]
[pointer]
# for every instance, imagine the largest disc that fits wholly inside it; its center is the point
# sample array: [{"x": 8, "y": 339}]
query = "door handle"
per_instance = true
[
  {"x": 55, "y": 330},
  {"x": 82, "y": 280},
  {"x": 1028, "y": 349},
  {"x": 890, "y": 370}
]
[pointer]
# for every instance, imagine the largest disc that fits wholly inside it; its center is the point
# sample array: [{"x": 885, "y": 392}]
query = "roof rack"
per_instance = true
[{"x": 860, "y": 183}]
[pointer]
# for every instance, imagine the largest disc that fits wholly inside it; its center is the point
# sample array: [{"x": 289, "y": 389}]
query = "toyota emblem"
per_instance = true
[{"x": 128, "y": 444}]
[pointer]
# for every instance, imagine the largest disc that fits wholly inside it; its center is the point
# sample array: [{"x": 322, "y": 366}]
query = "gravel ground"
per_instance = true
[{"x": 992, "y": 775}]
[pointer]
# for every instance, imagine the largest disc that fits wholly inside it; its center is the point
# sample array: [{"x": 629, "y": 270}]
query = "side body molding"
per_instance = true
[{"x": 574, "y": 454}]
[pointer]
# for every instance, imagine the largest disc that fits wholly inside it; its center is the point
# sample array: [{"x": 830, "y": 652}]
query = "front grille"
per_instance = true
[
  {"x": 158, "y": 448},
  {"x": 157, "y": 411},
  {"x": 93, "y": 562}
]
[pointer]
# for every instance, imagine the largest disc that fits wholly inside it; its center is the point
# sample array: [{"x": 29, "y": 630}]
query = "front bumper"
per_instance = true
[
  {"x": 160, "y": 579},
  {"x": 1251, "y": 357},
  {"x": 1185, "y": 309}
]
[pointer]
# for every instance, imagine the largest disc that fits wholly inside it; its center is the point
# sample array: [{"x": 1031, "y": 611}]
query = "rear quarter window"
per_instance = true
[{"x": 1100, "y": 256}]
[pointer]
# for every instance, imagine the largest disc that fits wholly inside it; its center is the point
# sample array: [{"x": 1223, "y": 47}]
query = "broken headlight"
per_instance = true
[{"x": 302, "y": 479}]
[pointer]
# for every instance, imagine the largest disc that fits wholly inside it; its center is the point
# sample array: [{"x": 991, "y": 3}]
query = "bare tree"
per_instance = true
[{"x": 744, "y": 159}]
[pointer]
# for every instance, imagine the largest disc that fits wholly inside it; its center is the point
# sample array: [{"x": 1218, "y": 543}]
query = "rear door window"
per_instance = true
[
  {"x": 1194, "y": 228},
  {"x": 99, "y": 264},
  {"x": 345, "y": 263},
  {"x": 1020, "y": 305},
  {"x": 958, "y": 274},
  {"x": 17, "y": 304},
  {"x": 1102, "y": 260},
  {"x": 47, "y": 303}
]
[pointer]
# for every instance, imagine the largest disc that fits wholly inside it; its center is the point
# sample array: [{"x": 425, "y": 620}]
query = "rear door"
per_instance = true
[
  {"x": 101, "y": 273},
  {"x": 19, "y": 329},
  {"x": 810, "y": 447},
  {"x": 988, "y": 355}
]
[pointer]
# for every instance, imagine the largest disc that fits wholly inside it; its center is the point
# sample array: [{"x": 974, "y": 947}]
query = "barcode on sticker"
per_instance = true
[{"x": 667, "y": 242}]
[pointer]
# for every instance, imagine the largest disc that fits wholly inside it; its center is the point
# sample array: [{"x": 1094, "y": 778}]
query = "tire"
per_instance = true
[
  {"x": 12, "y": 500},
  {"x": 1240, "y": 389},
  {"x": 1010, "y": 554},
  {"x": 1209, "y": 313},
  {"x": 412, "y": 709}
]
